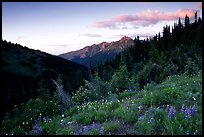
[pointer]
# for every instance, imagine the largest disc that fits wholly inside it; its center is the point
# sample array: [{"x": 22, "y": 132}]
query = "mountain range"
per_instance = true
[{"x": 98, "y": 52}]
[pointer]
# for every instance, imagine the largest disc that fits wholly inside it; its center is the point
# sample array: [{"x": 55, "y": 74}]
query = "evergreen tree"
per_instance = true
[
  {"x": 120, "y": 79},
  {"x": 196, "y": 17},
  {"x": 187, "y": 21}
]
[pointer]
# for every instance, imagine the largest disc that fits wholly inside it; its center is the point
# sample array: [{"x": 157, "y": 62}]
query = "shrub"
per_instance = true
[
  {"x": 71, "y": 111},
  {"x": 126, "y": 94},
  {"x": 50, "y": 128},
  {"x": 191, "y": 68},
  {"x": 120, "y": 79},
  {"x": 66, "y": 131},
  {"x": 100, "y": 116},
  {"x": 120, "y": 112},
  {"x": 110, "y": 127},
  {"x": 85, "y": 118},
  {"x": 94, "y": 132}
]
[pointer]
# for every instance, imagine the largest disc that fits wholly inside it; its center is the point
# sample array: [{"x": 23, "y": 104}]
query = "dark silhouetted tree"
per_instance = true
[{"x": 187, "y": 21}]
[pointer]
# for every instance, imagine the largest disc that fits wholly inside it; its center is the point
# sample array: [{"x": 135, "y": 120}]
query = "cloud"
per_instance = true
[
  {"x": 133, "y": 35},
  {"x": 106, "y": 24},
  {"x": 59, "y": 45},
  {"x": 190, "y": 12},
  {"x": 91, "y": 35},
  {"x": 146, "y": 18},
  {"x": 199, "y": 5}
]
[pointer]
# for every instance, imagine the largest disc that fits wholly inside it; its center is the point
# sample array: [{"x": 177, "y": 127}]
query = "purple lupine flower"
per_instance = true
[
  {"x": 37, "y": 130},
  {"x": 193, "y": 110},
  {"x": 172, "y": 112},
  {"x": 102, "y": 130},
  {"x": 182, "y": 110},
  {"x": 188, "y": 113}
]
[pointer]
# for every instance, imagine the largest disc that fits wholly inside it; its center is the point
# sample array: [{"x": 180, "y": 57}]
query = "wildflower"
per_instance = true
[
  {"x": 172, "y": 112},
  {"x": 182, "y": 110},
  {"x": 150, "y": 109},
  {"x": 140, "y": 107},
  {"x": 193, "y": 110},
  {"x": 128, "y": 106},
  {"x": 188, "y": 113},
  {"x": 37, "y": 130},
  {"x": 152, "y": 118},
  {"x": 142, "y": 117},
  {"x": 180, "y": 128},
  {"x": 102, "y": 130},
  {"x": 187, "y": 132}
]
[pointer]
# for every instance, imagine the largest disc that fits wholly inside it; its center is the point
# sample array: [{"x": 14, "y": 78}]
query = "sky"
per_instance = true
[{"x": 60, "y": 27}]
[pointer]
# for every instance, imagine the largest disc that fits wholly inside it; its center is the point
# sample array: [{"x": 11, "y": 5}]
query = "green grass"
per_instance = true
[{"x": 124, "y": 110}]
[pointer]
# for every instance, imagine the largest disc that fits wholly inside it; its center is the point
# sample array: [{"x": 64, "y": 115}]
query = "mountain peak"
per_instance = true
[{"x": 125, "y": 38}]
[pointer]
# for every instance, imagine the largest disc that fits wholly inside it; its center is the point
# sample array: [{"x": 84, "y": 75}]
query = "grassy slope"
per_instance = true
[{"x": 144, "y": 112}]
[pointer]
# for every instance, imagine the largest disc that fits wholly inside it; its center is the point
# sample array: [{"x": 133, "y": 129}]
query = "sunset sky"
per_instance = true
[{"x": 60, "y": 27}]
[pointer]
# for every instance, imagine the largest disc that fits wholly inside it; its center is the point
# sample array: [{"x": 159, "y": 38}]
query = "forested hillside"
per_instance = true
[
  {"x": 152, "y": 88},
  {"x": 28, "y": 73}
]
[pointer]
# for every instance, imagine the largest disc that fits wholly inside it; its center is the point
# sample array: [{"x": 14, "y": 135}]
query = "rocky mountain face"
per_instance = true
[{"x": 98, "y": 52}]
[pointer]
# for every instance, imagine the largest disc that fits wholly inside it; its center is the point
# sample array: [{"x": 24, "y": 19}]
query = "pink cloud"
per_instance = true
[
  {"x": 199, "y": 5},
  {"x": 146, "y": 18},
  {"x": 181, "y": 13},
  {"x": 105, "y": 24}
]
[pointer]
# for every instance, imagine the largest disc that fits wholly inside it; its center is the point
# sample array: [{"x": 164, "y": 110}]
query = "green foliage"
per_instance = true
[
  {"x": 191, "y": 68},
  {"x": 80, "y": 96},
  {"x": 43, "y": 91},
  {"x": 85, "y": 118},
  {"x": 126, "y": 113},
  {"x": 51, "y": 127},
  {"x": 26, "y": 114},
  {"x": 150, "y": 124},
  {"x": 17, "y": 131},
  {"x": 169, "y": 69},
  {"x": 93, "y": 90},
  {"x": 150, "y": 73},
  {"x": 66, "y": 131},
  {"x": 71, "y": 111},
  {"x": 110, "y": 127},
  {"x": 100, "y": 116},
  {"x": 94, "y": 132},
  {"x": 126, "y": 94},
  {"x": 120, "y": 79}
]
